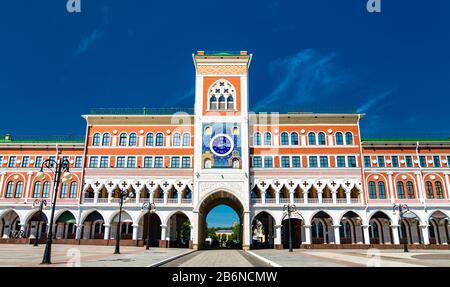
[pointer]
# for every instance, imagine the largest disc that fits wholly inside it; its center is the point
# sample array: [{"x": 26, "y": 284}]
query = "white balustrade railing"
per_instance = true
[
  {"x": 172, "y": 200},
  {"x": 256, "y": 200},
  {"x": 186, "y": 201},
  {"x": 88, "y": 200},
  {"x": 313, "y": 200},
  {"x": 270, "y": 200},
  {"x": 327, "y": 200},
  {"x": 285, "y": 200},
  {"x": 341, "y": 200}
]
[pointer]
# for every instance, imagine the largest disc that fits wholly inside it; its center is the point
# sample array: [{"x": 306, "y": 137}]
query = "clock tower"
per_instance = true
[{"x": 221, "y": 155}]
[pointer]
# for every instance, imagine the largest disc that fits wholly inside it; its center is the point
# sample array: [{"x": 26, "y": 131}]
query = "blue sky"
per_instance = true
[
  {"x": 313, "y": 55},
  {"x": 221, "y": 216}
]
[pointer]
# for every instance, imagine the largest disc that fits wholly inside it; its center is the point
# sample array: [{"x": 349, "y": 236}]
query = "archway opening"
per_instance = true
[
  {"x": 151, "y": 230},
  {"x": 322, "y": 228},
  {"x": 125, "y": 228},
  {"x": 93, "y": 226},
  {"x": 297, "y": 232},
  {"x": 65, "y": 226},
  {"x": 225, "y": 228},
  {"x": 10, "y": 222},
  {"x": 263, "y": 233},
  {"x": 438, "y": 228},
  {"x": 350, "y": 229},
  {"x": 179, "y": 228},
  {"x": 380, "y": 231},
  {"x": 37, "y": 224}
]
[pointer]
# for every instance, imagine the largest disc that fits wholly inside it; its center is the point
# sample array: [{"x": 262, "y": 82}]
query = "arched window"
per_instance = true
[
  {"x": 345, "y": 230},
  {"x": 213, "y": 103},
  {"x": 372, "y": 190},
  {"x": 149, "y": 139},
  {"x": 410, "y": 190},
  {"x": 230, "y": 103},
  {"x": 267, "y": 138},
  {"x": 312, "y": 138},
  {"x": 64, "y": 190},
  {"x": 381, "y": 190},
  {"x": 429, "y": 187},
  {"x": 348, "y": 138},
  {"x": 222, "y": 103},
  {"x": 284, "y": 138},
  {"x": 10, "y": 189},
  {"x": 176, "y": 139},
  {"x": 321, "y": 138},
  {"x": 317, "y": 230},
  {"x": 224, "y": 93},
  {"x": 73, "y": 189},
  {"x": 374, "y": 230},
  {"x": 438, "y": 186},
  {"x": 257, "y": 139},
  {"x": 207, "y": 163},
  {"x": 254, "y": 194},
  {"x": 45, "y": 189},
  {"x": 187, "y": 139},
  {"x": 188, "y": 194},
  {"x": 339, "y": 138},
  {"x": 133, "y": 139},
  {"x": 106, "y": 139},
  {"x": 37, "y": 190},
  {"x": 19, "y": 190},
  {"x": 96, "y": 139},
  {"x": 400, "y": 190},
  {"x": 294, "y": 138},
  {"x": 159, "y": 139},
  {"x": 123, "y": 139}
]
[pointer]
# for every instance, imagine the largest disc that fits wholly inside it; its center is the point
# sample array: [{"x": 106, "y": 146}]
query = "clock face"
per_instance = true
[{"x": 222, "y": 145}]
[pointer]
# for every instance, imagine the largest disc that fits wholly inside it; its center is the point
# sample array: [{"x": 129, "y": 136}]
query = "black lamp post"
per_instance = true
[
  {"x": 150, "y": 208},
  {"x": 289, "y": 208},
  {"x": 402, "y": 209},
  {"x": 58, "y": 168},
  {"x": 41, "y": 203},
  {"x": 123, "y": 195}
]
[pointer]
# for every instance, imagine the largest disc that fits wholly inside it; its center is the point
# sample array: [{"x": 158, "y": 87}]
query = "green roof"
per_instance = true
[
  {"x": 222, "y": 53},
  {"x": 8, "y": 139},
  {"x": 141, "y": 111},
  {"x": 426, "y": 139}
]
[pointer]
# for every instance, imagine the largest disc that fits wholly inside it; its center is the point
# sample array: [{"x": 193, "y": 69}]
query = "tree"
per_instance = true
[{"x": 236, "y": 228}]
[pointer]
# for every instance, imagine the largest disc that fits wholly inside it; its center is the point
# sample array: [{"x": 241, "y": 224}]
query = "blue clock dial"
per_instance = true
[{"x": 221, "y": 145}]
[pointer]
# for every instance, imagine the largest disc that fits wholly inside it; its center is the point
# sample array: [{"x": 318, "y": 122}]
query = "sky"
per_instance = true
[
  {"x": 307, "y": 56},
  {"x": 222, "y": 216}
]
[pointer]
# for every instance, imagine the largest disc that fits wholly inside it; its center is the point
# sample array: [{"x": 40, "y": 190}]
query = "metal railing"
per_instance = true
[{"x": 141, "y": 111}]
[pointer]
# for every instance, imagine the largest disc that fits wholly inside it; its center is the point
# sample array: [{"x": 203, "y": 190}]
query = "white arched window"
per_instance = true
[
  {"x": 176, "y": 139},
  {"x": 348, "y": 138},
  {"x": 222, "y": 96},
  {"x": 187, "y": 139},
  {"x": 257, "y": 138},
  {"x": 123, "y": 139},
  {"x": 106, "y": 139},
  {"x": 133, "y": 139},
  {"x": 96, "y": 139},
  {"x": 149, "y": 139}
]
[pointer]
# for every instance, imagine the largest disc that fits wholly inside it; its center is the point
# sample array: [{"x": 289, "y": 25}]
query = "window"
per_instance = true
[
  {"x": 106, "y": 139},
  {"x": 104, "y": 162},
  {"x": 213, "y": 103},
  {"x": 19, "y": 190},
  {"x": 64, "y": 189},
  {"x": 12, "y": 161},
  {"x": 37, "y": 190},
  {"x": 381, "y": 190},
  {"x": 78, "y": 162},
  {"x": 133, "y": 139},
  {"x": 267, "y": 138},
  {"x": 120, "y": 163},
  {"x": 349, "y": 138},
  {"x": 149, "y": 139},
  {"x": 123, "y": 139},
  {"x": 176, "y": 139},
  {"x": 285, "y": 162},
  {"x": 225, "y": 92},
  {"x": 294, "y": 139},
  {"x": 175, "y": 162},
  {"x": 312, "y": 138},
  {"x": 351, "y": 161},
  {"x": 52, "y": 161},
  {"x": 186, "y": 162},
  {"x": 1, "y": 161},
  {"x": 296, "y": 161},
  {"x": 321, "y": 138},
  {"x": 25, "y": 161},
  {"x": 448, "y": 161},
  {"x": 131, "y": 162},
  {"x": 73, "y": 190},
  {"x": 408, "y": 160},
  {"x": 222, "y": 104},
  {"x": 381, "y": 162},
  {"x": 367, "y": 161},
  {"x": 148, "y": 160},
  {"x": 429, "y": 186},
  {"x": 257, "y": 139},
  {"x": 340, "y": 161},
  {"x": 410, "y": 190},
  {"x": 257, "y": 162},
  {"x": 38, "y": 161},
  {"x": 159, "y": 139},
  {"x": 339, "y": 138},
  {"x": 9, "y": 190},
  {"x": 187, "y": 139},
  {"x": 45, "y": 189},
  {"x": 268, "y": 162},
  {"x": 159, "y": 162},
  {"x": 96, "y": 139},
  {"x": 323, "y": 161},
  {"x": 284, "y": 138},
  {"x": 438, "y": 186},
  {"x": 313, "y": 161},
  {"x": 93, "y": 162},
  {"x": 230, "y": 103},
  {"x": 400, "y": 190},
  {"x": 394, "y": 159},
  {"x": 437, "y": 161},
  {"x": 423, "y": 161}
]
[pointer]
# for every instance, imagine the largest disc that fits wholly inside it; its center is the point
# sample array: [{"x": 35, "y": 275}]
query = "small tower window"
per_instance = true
[{"x": 222, "y": 96}]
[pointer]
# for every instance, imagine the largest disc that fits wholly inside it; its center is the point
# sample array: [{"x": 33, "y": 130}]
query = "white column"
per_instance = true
[
  {"x": 425, "y": 235},
  {"x": 107, "y": 231},
  {"x": 109, "y": 196},
  {"x": 337, "y": 235},
  {"x": 277, "y": 197},
  {"x": 391, "y": 187},
  {"x": 78, "y": 231},
  {"x": 138, "y": 196},
  {"x": 277, "y": 234},
  {"x": 366, "y": 234},
  {"x": 27, "y": 190},
  {"x": 263, "y": 197},
  {"x": 96, "y": 193},
  {"x": 334, "y": 196},
  {"x": 420, "y": 187},
  {"x": 395, "y": 234},
  {"x": 305, "y": 197},
  {"x": 168, "y": 140},
  {"x": 141, "y": 141},
  {"x": 135, "y": 231},
  {"x": 307, "y": 229},
  {"x": 291, "y": 196},
  {"x": 347, "y": 196},
  {"x": 163, "y": 231},
  {"x": 447, "y": 181},
  {"x": 179, "y": 194},
  {"x": 303, "y": 140},
  {"x": 319, "y": 195},
  {"x": 246, "y": 232},
  {"x": 165, "y": 197}
]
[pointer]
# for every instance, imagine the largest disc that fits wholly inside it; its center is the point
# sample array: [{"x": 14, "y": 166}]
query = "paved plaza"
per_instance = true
[{"x": 356, "y": 258}]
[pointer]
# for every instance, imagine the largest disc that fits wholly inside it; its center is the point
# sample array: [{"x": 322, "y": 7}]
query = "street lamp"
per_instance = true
[
  {"x": 124, "y": 195},
  {"x": 150, "y": 208},
  {"x": 289, "y": 208},
  {"x": 41, "y": 204},
  {"x": 60, "y": 169},
  {"x": 402, "y": 209}
]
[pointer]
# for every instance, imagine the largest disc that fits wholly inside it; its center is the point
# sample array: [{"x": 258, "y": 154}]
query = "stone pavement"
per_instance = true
[
  {"x": 85, "y": 256},
  {"x": 357, "y": 258}
]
